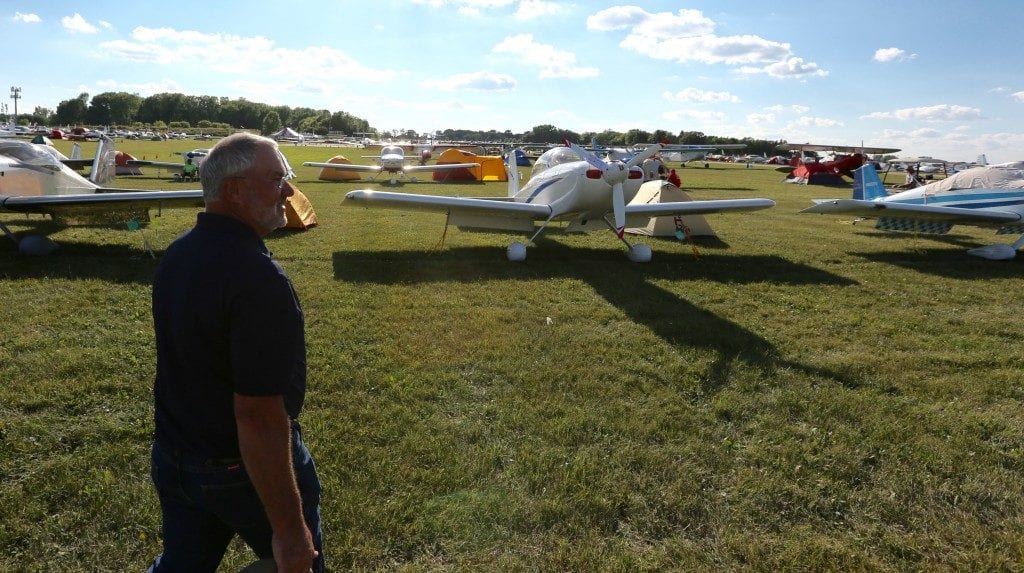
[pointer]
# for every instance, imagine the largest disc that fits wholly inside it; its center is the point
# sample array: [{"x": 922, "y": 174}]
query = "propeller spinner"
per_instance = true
[{"x": 615, "y": 174}]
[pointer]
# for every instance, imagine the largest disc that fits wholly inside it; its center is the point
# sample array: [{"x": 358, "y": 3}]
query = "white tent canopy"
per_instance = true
[{"x": 286, "y": 134}]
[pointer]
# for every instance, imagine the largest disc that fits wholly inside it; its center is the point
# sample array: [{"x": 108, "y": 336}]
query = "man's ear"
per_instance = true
[{"x": 231, "y": 189}]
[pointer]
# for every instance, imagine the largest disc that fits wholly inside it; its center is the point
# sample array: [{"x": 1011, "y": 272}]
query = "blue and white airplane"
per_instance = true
[{"x": 990, "y": 197}]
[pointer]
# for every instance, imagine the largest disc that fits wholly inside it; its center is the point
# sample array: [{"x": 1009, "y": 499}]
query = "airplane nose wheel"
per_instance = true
[
  {"x": 639, "y": 253},
  {"x": 517, "y": 252}
]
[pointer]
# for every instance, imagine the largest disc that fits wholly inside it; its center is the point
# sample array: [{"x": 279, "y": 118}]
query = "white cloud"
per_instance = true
[
  {"x": 144, "y": 89},
  {"x": 1019, "y": 96},
  {"x": 885, "y": 55},
  {"x": 615, "y": 18},
  {"x": 484, "y": 81},
  {"x": 806, "y": 121},
  {"x": 760, "y": 118},
  {"x": 553, "y": 63},
  {"x": 694, "y": 95},
  {"x": 530, "y": 9},
  {"x": 696, "y": 115},
  {"x": 941, "y": 112},
  {"x": 26, "y": 18},
  {"x": 688, "y": 36},
  {"x": 78, "y": 25},
  {"x": 235, "y": 55},
  {"x": 792, "y": 67}
]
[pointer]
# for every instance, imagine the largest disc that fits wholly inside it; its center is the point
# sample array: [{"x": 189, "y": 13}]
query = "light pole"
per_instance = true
[{"x": 15, "y": 95}]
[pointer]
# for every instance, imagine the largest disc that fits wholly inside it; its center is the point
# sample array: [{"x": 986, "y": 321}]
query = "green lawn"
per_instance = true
[{"x": 804, "y": 394}]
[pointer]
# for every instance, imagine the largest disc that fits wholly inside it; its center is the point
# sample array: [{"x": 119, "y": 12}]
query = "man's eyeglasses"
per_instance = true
[{"x": 277, "y": 182}]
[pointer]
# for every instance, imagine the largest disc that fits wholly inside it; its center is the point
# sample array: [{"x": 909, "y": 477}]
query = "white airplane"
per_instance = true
[
  {"x": 392, "y": 161},
  {"x": 33, "y": 179},
  {"x": 195, "y": 157},
  {"x": 563, "y": 193},
  {"x": 982, "y": 197}
]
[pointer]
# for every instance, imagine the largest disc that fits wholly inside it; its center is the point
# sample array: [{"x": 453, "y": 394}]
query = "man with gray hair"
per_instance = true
[{"x": 228, "y": 456}]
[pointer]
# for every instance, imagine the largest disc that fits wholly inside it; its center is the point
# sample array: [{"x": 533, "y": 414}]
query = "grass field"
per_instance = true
[{"x": 806, "y": 394}]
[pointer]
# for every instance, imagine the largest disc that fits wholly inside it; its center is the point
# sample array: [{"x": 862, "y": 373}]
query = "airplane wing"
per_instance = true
[
  {"x": 837, "y": 148},
  {"x": 482, "y": 206},
  {"x": 894, "y": 210},
  {"x": 697, "y": 207},
  {"x": 158, "y": 164},
  {"x": 77, "y": 164},
  {"x": 701, "y": 147},
  {"x": 345, "y": 167},
  {"x": 103, "y": 201},
  {"x": 439, "y": 167}
]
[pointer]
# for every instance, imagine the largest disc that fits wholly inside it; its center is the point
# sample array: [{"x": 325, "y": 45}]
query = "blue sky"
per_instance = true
[{"x": 936, "y": 78}]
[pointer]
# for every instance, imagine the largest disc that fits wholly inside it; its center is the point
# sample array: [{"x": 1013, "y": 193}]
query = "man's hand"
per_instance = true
[{"x": 293, "y": 551}]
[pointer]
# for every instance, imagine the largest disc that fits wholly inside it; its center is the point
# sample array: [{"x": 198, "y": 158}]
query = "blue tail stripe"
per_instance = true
[{"x": 867, "y": 186}]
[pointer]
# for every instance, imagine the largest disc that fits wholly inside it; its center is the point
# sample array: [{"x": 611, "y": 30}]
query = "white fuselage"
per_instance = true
[
  {"x": 1006, "y": 199},
  {"x": 29, "y": 169},
  {"x": 577, "y": 187},
  {"x": 392, "y": 158}
]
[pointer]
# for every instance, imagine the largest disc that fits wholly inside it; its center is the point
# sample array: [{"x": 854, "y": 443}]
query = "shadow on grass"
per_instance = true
[
  {"x": 954, "y": 264},
  {"x": 625, "y": 285},
  {"x": 689, "y": 188},
  {"x": 73, "y": 260},
  {"x": 945, "y": 262}
]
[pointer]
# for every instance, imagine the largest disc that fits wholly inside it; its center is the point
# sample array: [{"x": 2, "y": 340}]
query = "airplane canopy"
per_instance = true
[
  {"x": 554, "y": 156},
  {"x": 978, "y": 178},
  {"x": 30, "y": 153}
]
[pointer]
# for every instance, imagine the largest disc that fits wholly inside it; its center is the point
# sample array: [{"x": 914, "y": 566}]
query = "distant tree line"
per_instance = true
[
  {"x": 180, "y": 111},
  {"x": 175, "y": 110},
  {"x": 609, "y": 138}
]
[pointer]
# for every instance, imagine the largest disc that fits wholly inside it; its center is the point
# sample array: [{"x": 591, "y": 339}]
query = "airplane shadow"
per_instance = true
[
  {"x": 118, "y": 264},
  {"x": 954, "y": 264},
  {"x": 718, "y": 188},
  {"x": 627, "y": 286}
]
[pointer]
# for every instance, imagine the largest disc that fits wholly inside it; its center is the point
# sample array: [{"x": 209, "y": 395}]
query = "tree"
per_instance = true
[
  {"x": 113, "y": 108},
  {"x": 72, "y": 111},
  {"x": 271, "y": 123},
  {"x": 635, "y": 136},
  {"x": 41, "y": 115}
]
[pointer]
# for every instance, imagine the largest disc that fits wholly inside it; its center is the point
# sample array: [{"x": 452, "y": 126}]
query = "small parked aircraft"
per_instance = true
[
  {"x": 194, "y": 157},
  {"x": 565, "y": 194},
  {"x": 981, "y": 197},
  {"x": 33, "y": 179},
  {"x": 845, "y": 159},
  {"x": 392, "y": 161}
]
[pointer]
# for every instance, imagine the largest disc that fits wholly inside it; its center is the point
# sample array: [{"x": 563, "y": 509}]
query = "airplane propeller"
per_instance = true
[{"x": 615, "y": 174}]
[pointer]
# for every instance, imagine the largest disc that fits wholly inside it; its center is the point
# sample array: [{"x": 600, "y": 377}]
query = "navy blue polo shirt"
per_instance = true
[{"x": 227, "y": 321}]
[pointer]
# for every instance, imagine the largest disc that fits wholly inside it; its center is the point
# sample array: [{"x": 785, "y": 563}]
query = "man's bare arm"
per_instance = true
[{"x": 264, "y": 439}]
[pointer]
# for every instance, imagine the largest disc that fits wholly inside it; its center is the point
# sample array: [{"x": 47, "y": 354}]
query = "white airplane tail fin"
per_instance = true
[
  {"x": 867, "y": 186},
  {"x": 512, "y": 169},
  {"x": 103, "y": 167}
]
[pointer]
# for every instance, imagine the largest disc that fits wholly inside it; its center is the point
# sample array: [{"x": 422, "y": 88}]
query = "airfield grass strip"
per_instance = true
[{"x": 808, "y": 394}]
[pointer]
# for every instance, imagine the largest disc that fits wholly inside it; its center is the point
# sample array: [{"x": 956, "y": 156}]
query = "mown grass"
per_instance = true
[{"x": 807, "y": 394}]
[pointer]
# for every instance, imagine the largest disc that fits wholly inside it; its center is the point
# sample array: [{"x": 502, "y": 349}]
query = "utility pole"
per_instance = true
[{"x": 15, "y": 95}]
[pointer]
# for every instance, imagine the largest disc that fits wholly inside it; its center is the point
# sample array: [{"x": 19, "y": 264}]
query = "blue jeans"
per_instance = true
[{"x": 206, "y": 502}]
